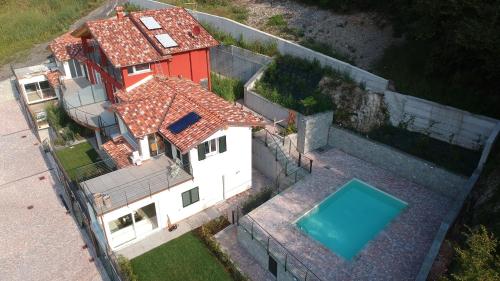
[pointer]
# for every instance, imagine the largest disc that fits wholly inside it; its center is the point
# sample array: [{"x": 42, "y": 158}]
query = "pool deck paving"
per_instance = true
[
  {"x": 39, "y": 240},
  {"x": 396, "y": 253}
]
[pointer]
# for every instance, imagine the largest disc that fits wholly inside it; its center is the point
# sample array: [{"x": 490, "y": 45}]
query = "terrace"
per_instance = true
[
  {"x": 395, "y": 253},
  {"x": 86, "y": 103},
  {"x": 127, "y": 185}
]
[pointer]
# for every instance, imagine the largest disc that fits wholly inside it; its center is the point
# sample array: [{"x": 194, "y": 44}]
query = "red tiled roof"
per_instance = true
[
  {"x": 126, "y": 41},
  {"x": 66, "y": 47},
  {"x": 159, "y": 102},
  {"x": 122, "y": 42},
  {"x": 119, "y": 150},
  {"x": 177, "y": 23},
  {"x": 53, "y": 78}
]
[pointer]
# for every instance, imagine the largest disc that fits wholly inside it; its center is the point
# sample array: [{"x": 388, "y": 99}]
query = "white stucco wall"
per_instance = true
[{"x": 218, "y": 177}]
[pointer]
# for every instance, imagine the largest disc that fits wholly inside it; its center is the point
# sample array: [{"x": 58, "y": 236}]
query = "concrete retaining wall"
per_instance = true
[
  {"x": 312, "y": 131},
  {"x": 402, "y": 164},
  {"x": 237, "y": 29},
  {"x": 263, "y": 160},
  {"x": 439, "y": 121},
  {"x": 235, "y": 62},
  {"x": 261, "y": 105}
]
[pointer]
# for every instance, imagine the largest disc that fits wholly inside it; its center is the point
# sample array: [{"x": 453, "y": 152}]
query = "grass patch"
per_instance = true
[
  {"x": 278, "y": 21},
  {"x": 24, "y": 23},
  {"x": 407, "y": 64},
  {"x": 223, "y": 8},
  {"x": 184, "y": 258},
  {"x": 265, "y": 48},
  {"x": 294, "y": 83},
  {"x": 228, "y": 88},
  {"x": 452, "y": 157},
  {"x": 77, "y": 156}
]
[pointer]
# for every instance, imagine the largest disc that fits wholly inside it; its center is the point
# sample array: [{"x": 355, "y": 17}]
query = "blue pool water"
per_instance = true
[{"x": 349, "y": 218}]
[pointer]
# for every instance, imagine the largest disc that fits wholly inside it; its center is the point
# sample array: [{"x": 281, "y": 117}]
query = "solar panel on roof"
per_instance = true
[
  {"x": 184, "y": 122},
  {"x": 150, "y": 23},
  {"x": 165, "y": 40}
]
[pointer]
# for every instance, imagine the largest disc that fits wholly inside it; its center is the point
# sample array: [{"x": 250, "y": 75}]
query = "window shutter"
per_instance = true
[
  {"x": 195, "y": 195},
  {"x": 222, "y": 144},
  {"x": 201, "y": 151},
  {"x": 186, "y": 200}
]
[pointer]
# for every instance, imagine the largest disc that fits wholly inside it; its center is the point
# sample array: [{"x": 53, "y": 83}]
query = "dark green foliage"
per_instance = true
[
  {"x": 66, "y": 129},
  {"x": 256, "y": 200},
  {"x": 125, "y": 268},
  {"x": 227, "y": 88},
  {"x": 451, "y": 157},
  {"x": 477, "y": 260},
  {"x": 277, "y": 21},
  {"x": 294, "y": 83},
  {"x": 265, "y": 48}
]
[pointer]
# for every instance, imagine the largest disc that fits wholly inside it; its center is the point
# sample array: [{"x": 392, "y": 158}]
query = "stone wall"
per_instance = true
[
  {"x": 400, "y": 163},
  {"x": 312, "y": 131},
  {"x": 263, "y": 160}
]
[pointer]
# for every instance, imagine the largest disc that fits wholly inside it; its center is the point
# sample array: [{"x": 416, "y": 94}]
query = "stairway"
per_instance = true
[{"x": 290, "y": 171}]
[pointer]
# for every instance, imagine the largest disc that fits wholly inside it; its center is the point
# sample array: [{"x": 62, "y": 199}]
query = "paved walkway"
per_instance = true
[
  {"x": 38, "y": 239},
  {"x": 162, "y": 236}
]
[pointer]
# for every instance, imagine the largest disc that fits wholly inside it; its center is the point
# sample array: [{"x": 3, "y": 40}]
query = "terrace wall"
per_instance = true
[
  {"x": 448, "y": 124},
  {"x": 400, "y": 163}
]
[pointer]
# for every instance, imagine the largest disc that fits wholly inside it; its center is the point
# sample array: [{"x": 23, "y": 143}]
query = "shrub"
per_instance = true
[
  {"x": 205, "y": 234},
  {"x": 125, "y": 268},
  {"x": 277, "y": 21},
  {"x": 294, "y": 83},
  {"x": 477, "y": 259},
  {"x": 228, "y": 88},
  {"x": 256, "y": 200}
]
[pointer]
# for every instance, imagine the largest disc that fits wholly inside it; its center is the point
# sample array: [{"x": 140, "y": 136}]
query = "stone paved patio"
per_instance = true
[
  {"x": 42, "y": 242},
  {"x": 395, "y": 254}
]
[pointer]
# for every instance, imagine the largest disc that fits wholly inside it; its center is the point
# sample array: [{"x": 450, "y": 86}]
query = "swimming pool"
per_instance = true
[{"x": 353, "y": 215}]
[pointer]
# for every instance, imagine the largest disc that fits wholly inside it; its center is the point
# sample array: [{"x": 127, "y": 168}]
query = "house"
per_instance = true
[{"x": 176, "y": 148}]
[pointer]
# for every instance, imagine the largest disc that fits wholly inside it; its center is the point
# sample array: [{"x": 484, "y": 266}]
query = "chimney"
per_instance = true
[{"x": 119, "y": 12}]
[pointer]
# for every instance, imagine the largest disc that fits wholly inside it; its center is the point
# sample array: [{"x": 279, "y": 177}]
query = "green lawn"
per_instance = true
[
  {"x": 24, "y": 23},
  {"x": 183, "y": 259},
  {"x": 77, "y": 156}
]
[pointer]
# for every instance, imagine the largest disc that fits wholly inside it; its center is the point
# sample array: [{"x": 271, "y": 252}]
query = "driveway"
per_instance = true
[{"x": 38, "y": 239}]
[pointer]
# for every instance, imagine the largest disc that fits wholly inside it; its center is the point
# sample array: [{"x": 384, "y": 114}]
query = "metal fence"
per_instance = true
[
  {"x": 83, "y": 215},
  {"x": 290, "y": 263},
  {"x": 235, "y": 62}
]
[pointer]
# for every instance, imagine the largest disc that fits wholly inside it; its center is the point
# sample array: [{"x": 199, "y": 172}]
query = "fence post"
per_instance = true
[
  {"x": 289, "y": 146},
  {"x": 300, "y": 159},
  {"x": 265, "y": 139},
  {"x": 286, "y": 169},
  {"x": 310, "y": 165},
  {"x": 251, "y": 231},
  {"x": 276, "y": 154}
]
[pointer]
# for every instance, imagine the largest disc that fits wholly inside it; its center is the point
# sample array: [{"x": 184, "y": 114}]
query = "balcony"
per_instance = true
[
  {"x": 87, "y": 104},
  {"x": 121, "y": 187}
]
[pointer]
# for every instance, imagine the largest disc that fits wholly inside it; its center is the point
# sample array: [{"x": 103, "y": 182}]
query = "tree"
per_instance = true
[{"x": 477, "y": 260}]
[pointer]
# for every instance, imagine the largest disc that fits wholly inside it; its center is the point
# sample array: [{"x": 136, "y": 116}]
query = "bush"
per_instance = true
[
  {"x": 65, "y": 128},
  {"x": 125, "y": 268},
  {"x": 205, "y": 234},
  {"x": 256, "y": 200},
  {"x": 294, "y": 83},
  {"x": 477, "y": 260},
  {"x": 228, "y": 88}
]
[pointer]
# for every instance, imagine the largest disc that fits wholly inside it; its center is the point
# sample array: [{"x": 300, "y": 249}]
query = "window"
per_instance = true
[
  {"x": 30, "y": 87},
  {"x": 211, "y": 147},
  {"x": 156, "y": 145},
  {"x": 140, "y": 68},
  {"x": 75, "y": 68},
  {"x": 191, "y": 196},
  {"x": 273, "y": 266}
]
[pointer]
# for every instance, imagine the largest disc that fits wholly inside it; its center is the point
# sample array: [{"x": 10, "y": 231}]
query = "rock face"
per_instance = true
[{"x": 355, "y": 108}]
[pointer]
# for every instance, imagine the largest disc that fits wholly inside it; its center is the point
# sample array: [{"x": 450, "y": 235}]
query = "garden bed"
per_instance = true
[{"x": 294, "y": 83}]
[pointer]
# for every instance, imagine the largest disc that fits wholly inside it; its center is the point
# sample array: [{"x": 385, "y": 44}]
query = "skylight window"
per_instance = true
[
  {"x": 184, "y": 122},
  {"x": 165, "y": 40},
  {"x": 150, "y": 23}
]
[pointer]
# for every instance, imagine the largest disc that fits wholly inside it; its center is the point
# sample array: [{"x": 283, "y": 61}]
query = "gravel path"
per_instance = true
[{"x": 361, "y": 36}]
